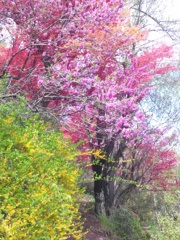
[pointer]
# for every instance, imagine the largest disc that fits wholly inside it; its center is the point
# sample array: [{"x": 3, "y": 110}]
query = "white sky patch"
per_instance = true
[
  {"x": 173, "y": 9},
  {"x": 6, "y": 31}
]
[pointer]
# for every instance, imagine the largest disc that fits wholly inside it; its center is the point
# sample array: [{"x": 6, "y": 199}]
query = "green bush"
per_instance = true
[
  {"x": 122, "y": 224},
  {"x": 142, "y": 203},
  {"x": 168, "y": 228},
  {"x": 159, "y": 212},
  {"x": 167, "y": 221},
  {"x": 39, "y": 179}
]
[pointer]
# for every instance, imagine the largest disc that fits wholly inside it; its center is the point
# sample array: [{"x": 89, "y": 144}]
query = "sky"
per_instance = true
[
  {"x": 165, "y": 10},
  {"x": 173, "y": 8}
]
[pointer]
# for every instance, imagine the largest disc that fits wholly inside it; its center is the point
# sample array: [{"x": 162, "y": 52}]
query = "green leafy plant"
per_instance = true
[
  {"x": 123, "y": 224},
  {"x": 168, "y": 228},
  {"x": 167, "y": 221},
  {"x": 39, "y": 179},
  {"x": 159, "y": 212}
]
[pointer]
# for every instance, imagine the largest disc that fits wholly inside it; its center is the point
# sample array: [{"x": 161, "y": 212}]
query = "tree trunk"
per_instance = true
[
  {"x": 103, "y": 188},
  {"x": 98, "y": 189},
  {"x": 108, "y": 187}
]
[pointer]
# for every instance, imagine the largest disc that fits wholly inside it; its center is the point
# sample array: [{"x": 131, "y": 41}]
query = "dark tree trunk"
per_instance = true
[
  {"x": 105, "y": 170},
  {"x": 98, "y": 188},
  {"x": 104, "y": 190},
  {"x": 108, "y": 187},
  {"x": 98, "y": 165}
]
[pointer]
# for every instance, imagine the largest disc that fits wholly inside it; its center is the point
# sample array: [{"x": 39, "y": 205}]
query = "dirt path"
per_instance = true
[{"x": 92, "y": 225}]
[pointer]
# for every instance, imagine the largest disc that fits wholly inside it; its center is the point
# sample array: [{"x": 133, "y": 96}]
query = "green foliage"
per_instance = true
[
  {"x": 167, "y": 221},
  {"x": 39, "y": 179},
  {"x": 159, "y": 212},
  {"x": 168, "y": 228},
  {"x": 3, "y": 84},
  {"x": 122, "y": 224},
  {"x": 142, "y": 203}
]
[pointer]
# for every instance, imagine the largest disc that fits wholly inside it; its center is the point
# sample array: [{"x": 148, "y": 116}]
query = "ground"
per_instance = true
[{"x": 92, "y": 225}]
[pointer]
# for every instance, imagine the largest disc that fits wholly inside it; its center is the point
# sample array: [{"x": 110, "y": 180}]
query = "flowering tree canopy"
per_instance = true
[{"x": 74, "y": 60}]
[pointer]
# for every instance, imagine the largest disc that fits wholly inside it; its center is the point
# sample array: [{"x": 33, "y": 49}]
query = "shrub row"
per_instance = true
[{"x": 39, "y": 179}]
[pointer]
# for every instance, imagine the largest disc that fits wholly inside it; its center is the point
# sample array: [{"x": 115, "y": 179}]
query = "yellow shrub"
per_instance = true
[{"x": 39, "y": 181}]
